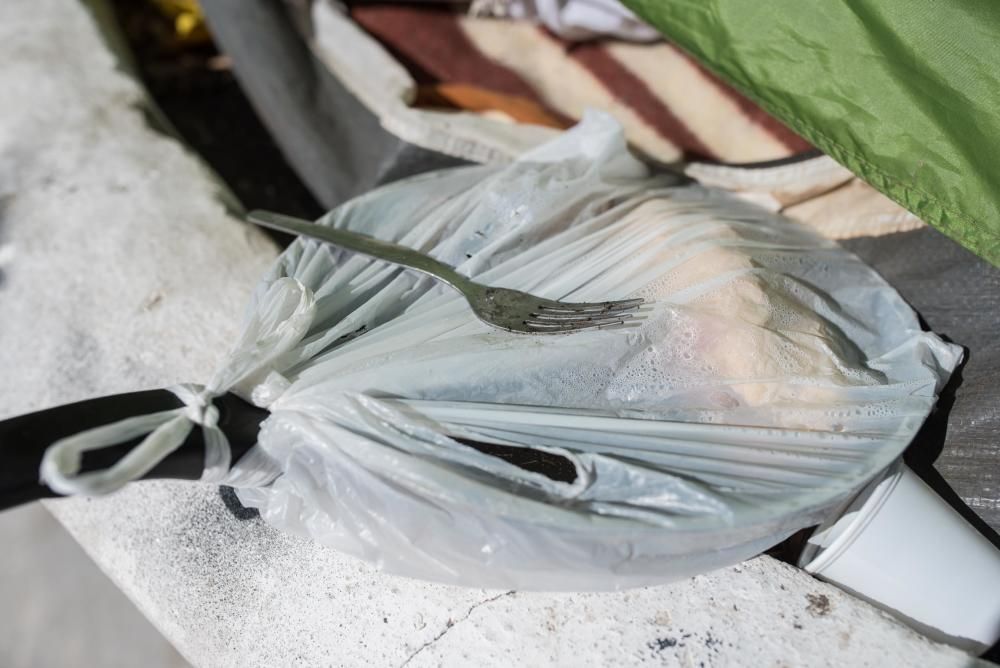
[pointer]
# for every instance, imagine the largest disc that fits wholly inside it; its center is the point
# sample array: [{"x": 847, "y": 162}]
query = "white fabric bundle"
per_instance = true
[
  {"x": 576, "y": 20},
  {"x": 769, "y": 376}
]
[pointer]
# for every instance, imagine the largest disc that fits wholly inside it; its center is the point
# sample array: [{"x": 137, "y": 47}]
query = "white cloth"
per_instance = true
[{"x": 575, "y": 20}]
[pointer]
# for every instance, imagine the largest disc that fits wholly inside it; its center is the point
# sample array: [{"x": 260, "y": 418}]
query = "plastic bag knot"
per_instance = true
[{"x": 281, "y": 317}]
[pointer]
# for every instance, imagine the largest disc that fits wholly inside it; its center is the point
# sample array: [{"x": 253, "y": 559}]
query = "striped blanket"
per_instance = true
[{"x": 671, "y": 107}]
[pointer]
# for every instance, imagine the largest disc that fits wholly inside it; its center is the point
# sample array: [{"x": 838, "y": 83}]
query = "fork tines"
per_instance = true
[{"x": 565, "y": 317}]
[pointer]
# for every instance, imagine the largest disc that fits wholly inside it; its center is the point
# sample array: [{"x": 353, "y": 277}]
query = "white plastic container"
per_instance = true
[{"x": 903, "y": 548}]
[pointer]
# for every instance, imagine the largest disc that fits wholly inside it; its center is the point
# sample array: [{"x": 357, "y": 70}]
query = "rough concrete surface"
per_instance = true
[
  {"x": 239, "y": 593},
  {"x": 60, "y": 611},
  {"x": 122, "y": 270}
]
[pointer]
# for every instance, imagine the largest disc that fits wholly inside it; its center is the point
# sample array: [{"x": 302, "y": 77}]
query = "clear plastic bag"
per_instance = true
[{"x": 770, "y": 375}]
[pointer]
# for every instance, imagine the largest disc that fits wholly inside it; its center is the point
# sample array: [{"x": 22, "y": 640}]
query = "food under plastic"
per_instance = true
[{"x": 771, "y": 375}]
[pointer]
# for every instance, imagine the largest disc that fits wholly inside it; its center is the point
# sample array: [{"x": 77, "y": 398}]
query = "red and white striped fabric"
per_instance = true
[
  {"x": 671, "y": 107},
  {"x": 444, "y": 81}
]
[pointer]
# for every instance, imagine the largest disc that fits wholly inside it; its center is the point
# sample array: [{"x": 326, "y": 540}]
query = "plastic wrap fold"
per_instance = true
[{"x": 769, "y": 376}]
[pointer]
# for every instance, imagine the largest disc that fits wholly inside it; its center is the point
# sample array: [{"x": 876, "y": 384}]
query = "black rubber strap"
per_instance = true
[{"x": 24, "y": 439}]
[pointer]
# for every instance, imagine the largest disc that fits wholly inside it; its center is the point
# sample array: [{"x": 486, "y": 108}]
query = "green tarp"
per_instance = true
[{"x": 904, "y": 93}]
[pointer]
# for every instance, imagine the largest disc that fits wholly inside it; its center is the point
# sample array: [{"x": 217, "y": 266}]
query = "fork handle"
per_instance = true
[{"x": 360, "y": 243}]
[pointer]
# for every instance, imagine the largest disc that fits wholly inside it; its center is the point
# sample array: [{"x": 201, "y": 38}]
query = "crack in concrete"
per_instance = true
[{"x": 452, "y": 624}]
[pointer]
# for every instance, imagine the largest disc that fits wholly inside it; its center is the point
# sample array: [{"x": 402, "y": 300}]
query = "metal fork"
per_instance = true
[{"x": 512, "y": 310}]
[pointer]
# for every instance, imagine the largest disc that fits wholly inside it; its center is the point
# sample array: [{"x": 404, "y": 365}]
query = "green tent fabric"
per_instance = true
[{"x": 904, "y": 93}]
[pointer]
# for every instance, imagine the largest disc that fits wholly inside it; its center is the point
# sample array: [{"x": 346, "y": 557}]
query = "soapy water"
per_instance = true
[{"x": 769, "y": 374}]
